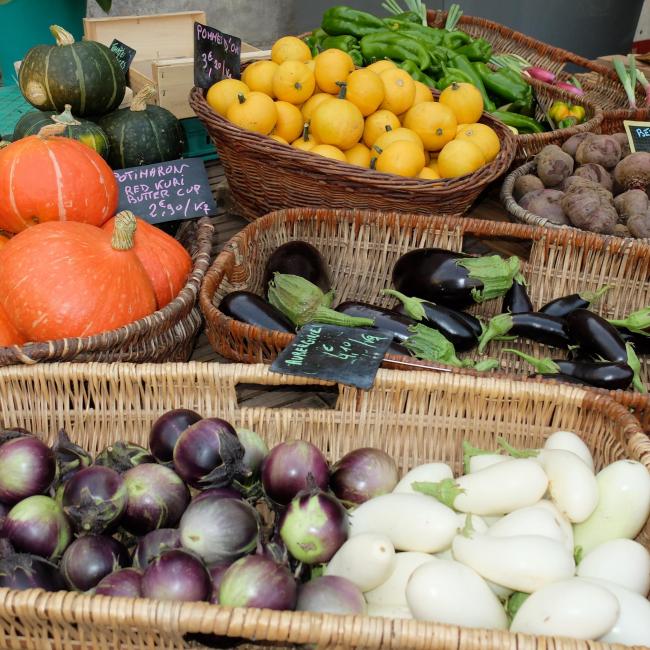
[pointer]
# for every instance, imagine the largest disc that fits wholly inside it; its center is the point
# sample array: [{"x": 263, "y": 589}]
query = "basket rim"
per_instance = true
[
  {"x": 310, "y": 163},
  {"x": 61, "y": 349},
  {"x": 525, "y": 216},
  {"x": 288, "y": 626}
]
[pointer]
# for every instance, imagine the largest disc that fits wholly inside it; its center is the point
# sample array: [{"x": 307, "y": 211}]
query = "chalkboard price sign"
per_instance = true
[
  {"x": 347, "y": 355},
  {"x": 638, "y": 135},
  {"x": 169, "y": 191},
  {"x": 217, "y": 56},
  {"x": 124, "y": 54}
]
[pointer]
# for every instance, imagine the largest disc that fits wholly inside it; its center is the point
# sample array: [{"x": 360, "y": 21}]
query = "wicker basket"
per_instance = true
[
  {"x": 613, "y": 120},
  {"x": 415, "y": 417},
  {"x": 600, "y": 83},
  {"x": 265, "y": 175},
  {"x": 361, "y": 249},
  {"x": 165, "y": 335}
]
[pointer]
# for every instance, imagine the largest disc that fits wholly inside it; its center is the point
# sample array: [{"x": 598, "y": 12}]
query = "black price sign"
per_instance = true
[
  {"x": 217, "y": 56},
  {"x": 124, "y": 54},
  {"x": 169, "y": 191},
  {"x": 347, "y": 355},
  {"x": 638, "y": 135}
]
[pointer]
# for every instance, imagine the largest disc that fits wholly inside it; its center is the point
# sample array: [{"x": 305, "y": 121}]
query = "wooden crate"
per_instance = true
[{"x": 164, "y": 45}]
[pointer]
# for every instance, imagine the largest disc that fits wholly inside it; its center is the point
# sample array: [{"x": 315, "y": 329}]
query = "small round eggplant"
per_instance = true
[
  {"x": 249, "y": 308},
  {"x": 298, "y": 258}
]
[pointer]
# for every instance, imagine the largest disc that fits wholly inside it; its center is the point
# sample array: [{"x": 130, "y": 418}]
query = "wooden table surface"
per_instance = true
[{"x": 227, "y": 223}]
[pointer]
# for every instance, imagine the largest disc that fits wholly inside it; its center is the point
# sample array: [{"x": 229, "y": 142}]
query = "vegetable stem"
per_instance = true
[
  {"x": 626, "y": 81},
  {"x": 495, "y": 273},
  {"x": 499, "y": 326},
  {"x": 430, "y": 345},
  {"x": 453, "y": 16},
  {"x": 445, "y": 491},
  {"x": 469, "y": 451},
  {"x": 412, "y": 306},
  {"x": 514, "y": 452},
  {"x": 637, "y": 322},
  {"x": 544, "y": 366},
  {"x": 124, "y": 231},
  {"x": 635, "y": 364}
]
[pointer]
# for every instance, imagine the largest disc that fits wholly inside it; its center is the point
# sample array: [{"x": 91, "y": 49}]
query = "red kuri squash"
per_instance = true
[
  {"x": 48, "y": 178},
  {"x": 9, "y": 335},
  {"x": 3, "y": 240},
  {"x": 68, "y": 279},
  {"x": 166, "y": 261}
]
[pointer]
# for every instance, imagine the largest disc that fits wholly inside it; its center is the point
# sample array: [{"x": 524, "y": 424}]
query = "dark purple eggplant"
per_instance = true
[
  {"x": 249, "y": 308},
  {"x": 598, "y": 337},
  {"x": 533, "y": 326},
  {"x": 453, "y": 279},
  {"x": 385, "y": 319},
  {"x": 640, "y": 342},
  {"x": 562, "y": 307},
  {"x": 298, "y": 258},
  {"x": 447, "y": 321},
  {"x": 517, "y": 300},
  {"x": 601, "y": 374}
]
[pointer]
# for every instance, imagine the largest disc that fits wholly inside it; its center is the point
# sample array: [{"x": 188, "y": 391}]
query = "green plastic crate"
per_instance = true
[
  {"x": 197, "y": 140},
  {"x": 12, "y": 107}
]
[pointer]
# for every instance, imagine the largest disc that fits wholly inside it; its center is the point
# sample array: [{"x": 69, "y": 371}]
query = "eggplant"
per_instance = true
[
  {"x": 298, "y": 258},
  {"x": 386, "y": 320},
  {"x": 249, "y": 308},
  {"x": 641, "y": 342},
  {"x": 447, "y": 321},
  {"x": 453, "y": 279},
  {"x": 562, "y": 307},
  {"x": 598, "y": 337},
  {"x": 611, "y": 375},
  {"x": 516, "y": 300},
  {"x": 533, "y": 326}
]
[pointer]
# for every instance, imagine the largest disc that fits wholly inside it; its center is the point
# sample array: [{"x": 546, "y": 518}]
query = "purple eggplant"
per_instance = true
[
  {"x": 298, "y": 258},
  {"x": 387, "y": 320},
  {"x": 249, "y": 308},
  {"x": 517, "y": 300},
  {"x": 166, "y": 431},
  {"x": 562, "y": 307}
]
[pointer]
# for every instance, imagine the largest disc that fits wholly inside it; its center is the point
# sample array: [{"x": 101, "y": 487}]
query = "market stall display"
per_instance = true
[{"x": 372, "y": 432}]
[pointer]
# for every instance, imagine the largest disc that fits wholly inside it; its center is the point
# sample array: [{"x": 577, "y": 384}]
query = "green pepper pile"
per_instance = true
[{"x": 435, "y": 57}]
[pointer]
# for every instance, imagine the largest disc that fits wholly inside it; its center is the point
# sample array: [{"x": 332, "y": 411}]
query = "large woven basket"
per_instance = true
[
  {"x": 166, "y": 335},
  {"x": 415, "y": 417},
  {"x": 362, "y": 247},
  {"x": 265, "y": 175},
  {"x": 613, "y": 120},
  {"x": 600, "y": 82}
]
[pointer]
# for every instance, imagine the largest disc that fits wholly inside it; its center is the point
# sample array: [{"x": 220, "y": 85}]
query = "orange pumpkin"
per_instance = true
[
  {"x": 9, "y": 335},
  {"x": 3, "y": 240},
  {"x": 164, "y": 259},
  {"x": 50, "y": 178},
  {"x": 66, "y": 279}
]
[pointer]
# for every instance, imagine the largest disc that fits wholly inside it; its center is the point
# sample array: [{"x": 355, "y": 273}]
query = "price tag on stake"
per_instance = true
[
  {"x": 217, "y": 56},
  {"x": 171, "y": 191},
  {"x": 347, "y": 355},
  {"x": 124, "y": 54},
  {"x": 638, "y": 135}
]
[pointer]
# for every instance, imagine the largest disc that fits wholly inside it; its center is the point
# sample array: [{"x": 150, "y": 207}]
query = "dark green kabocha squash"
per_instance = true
[
  {"x": 142, "y": 134},
  {"x": 86, "y": 75},
  {"x": 78, "y": 129}
]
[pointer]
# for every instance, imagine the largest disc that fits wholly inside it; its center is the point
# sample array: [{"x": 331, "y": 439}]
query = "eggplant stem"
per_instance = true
[
  {"x": 412, "y": 306},
  {"x": 498, "y": 326},
  {"x": 495, "y": 274},
  {"x": 469, "y": 451},
  {"x": 635, "y": 364},
  {"x": 514, "y": 452},
  {"x": 468, "y": 529},
  {"x": 592, "y": 296},
  {"x": 544, "y": 366},
  {"x": 444, "y": 491},
  {"x": 328, "y": 316},
  {"x": 637, "y": 322},
  {"x": 430, "y": 345},
  {"x": 485, "y": 365}
]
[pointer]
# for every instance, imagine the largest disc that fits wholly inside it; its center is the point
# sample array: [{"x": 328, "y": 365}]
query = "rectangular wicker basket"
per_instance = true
[{"x": 416, "y": 417}]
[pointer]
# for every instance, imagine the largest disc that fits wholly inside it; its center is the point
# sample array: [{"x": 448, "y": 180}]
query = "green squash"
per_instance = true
[
  {"x": 83, "y": 130},
  {"x": 142, "y": 134},
  {"x": 85, "y": 75}
]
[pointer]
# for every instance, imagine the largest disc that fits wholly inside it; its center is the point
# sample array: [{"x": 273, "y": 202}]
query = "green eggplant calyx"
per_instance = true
[
  {"x": 469, "y": 451},
  {"x": 635, "y": 364},
  {"x": 593, "y": 296},
  {"x": 578, "y": 554},
  {"x": 637, "y": 322},
  {"x": 514, "y": 603},
  {"x": 486, "y": 365},
  {"x": 430, "y": 345},
  {"x": 412, "y": 306},
  {"x": 495, "y": 273},
  {"x": 295, "y": 297},
  {"x": 468, "y": 529},
  {"x": 328, "y": 316},
  {"x": 544, "y": 366},
  {"x": 514, "y": 452},
  {"x": 520, "y": 279},
  {"x": 444, "y": 491},
  {"x": 498, "y": 326}
]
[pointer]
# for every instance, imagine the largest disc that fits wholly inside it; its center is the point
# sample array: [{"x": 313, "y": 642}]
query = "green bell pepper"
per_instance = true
[
  {"x": 505, "y": 83},
  {"x": 477, "y": 50},
  {"x": 453, "y": 76},
  {"x": 409, "y": 17},
  {"x": 428, "y": 36},
  {"x": 347, "y": 44},
  {"x": 522, "y": 123},
  {"x": 315, "y": 40},
  {"x": 391, "y": 45},
  {"x": 461, "y": 62},
  {"x": 341, "y": 21},
  {"x": 417, "y": 74},
  {"x": 454, "y": 40}
]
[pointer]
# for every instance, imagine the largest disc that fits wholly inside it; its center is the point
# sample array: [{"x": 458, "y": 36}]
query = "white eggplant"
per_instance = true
[
  {"x": 569, "y": 441},
  {"x": 621, "y": 561},
  {"x": 433, "y": 472},
  {"x": 562, "y": 521},
  {"x": 445, "y": 591},
  {"x": 393, "y": 590},
  {"x": 496, "y": 490},
  {"x": 572, "y": 608},
  {"x": 471, "y": 522},
  {"x": 413, "y": 522},
  {"x": 633, "y": 624},
  {"x": 388, "y": 611},
  {"x": 477, "y": 463},
  {"x": 623, "y": 505},
  {"x": 522, "y": 563},
  {"x": 366, "y": 560},
  {"x": 445, "y": 555},
  {"x": 533, "y": 520}
]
